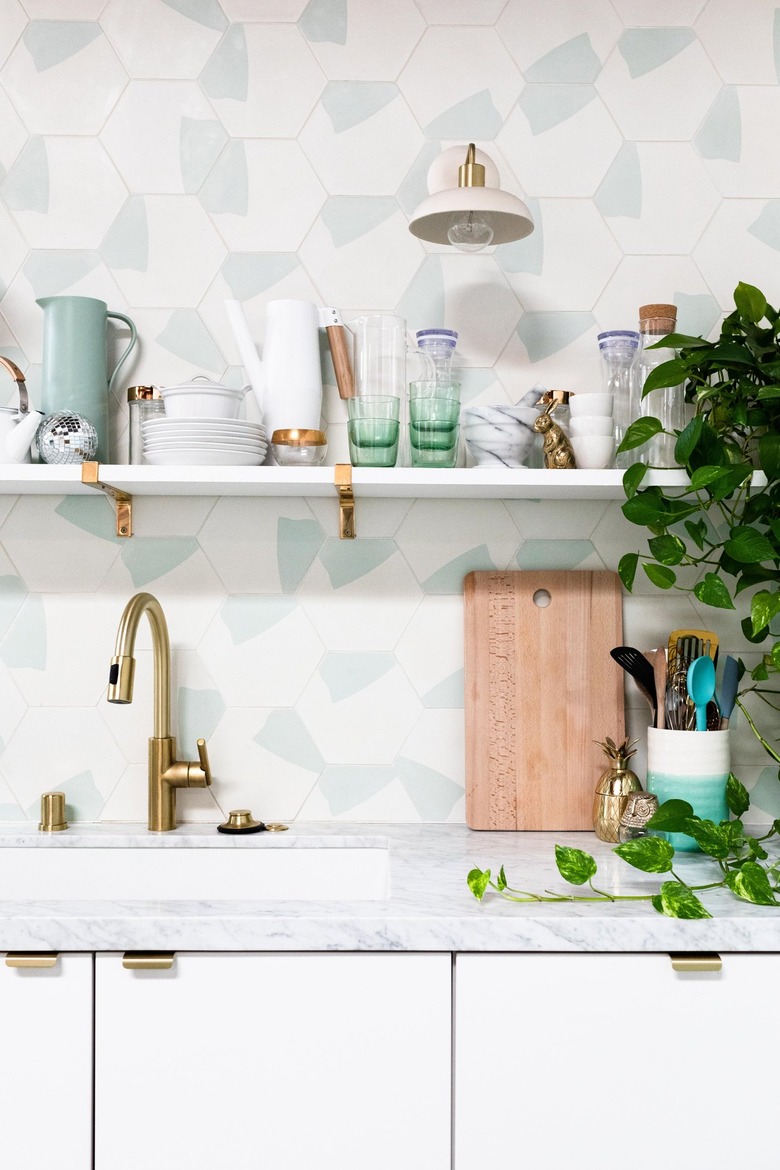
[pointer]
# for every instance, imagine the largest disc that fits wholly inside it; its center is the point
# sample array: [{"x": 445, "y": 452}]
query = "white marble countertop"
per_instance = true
[{"x": 429, "y": 907}]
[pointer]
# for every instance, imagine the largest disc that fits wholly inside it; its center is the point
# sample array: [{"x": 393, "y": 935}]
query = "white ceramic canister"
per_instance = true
[
  {"x": 692, "y": 766},
  {"x": 291, "y": 395}
]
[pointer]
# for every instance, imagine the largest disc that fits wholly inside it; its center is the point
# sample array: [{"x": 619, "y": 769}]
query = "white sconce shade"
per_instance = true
[{"x": 466, "y": 207}]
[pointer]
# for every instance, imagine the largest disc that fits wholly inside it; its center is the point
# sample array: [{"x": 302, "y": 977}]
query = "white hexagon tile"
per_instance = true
[{"x": 277, "y": 150}]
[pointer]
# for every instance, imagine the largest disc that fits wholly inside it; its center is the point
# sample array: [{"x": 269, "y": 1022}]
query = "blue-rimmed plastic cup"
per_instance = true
[{"x": 692, "y": 766}]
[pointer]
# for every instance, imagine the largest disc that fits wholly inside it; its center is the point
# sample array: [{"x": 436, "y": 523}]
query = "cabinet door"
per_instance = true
[
  {"x": 46, "y": 1065},
  {"x": 611, "y": 1061},
  {"x": 279, "y": 1061}
]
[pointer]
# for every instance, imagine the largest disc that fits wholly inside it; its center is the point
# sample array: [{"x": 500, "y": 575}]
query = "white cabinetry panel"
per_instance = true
[{"x": 274, "y": 1061}]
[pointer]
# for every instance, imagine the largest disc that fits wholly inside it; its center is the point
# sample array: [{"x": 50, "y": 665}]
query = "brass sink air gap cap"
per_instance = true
[{"x": 240, "y": 820}]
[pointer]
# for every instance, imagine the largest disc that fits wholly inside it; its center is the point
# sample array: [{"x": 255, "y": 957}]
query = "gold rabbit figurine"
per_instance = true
[{"x": 557, "y": 449}]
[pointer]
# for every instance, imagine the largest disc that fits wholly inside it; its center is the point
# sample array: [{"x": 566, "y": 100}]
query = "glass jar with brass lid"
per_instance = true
[
  {"x": 294, "y": 447},
  {"x": 143, "y": 403}
]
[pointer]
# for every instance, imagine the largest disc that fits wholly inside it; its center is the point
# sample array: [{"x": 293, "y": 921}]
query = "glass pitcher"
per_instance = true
[{"x": 380, "y": 348}]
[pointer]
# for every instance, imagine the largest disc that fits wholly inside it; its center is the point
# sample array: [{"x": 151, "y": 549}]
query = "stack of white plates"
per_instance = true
[{"x": 213, "y": 442}]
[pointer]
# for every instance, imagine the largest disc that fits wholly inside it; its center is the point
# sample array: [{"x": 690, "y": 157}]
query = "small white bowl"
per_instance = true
[
  {"x": 593, "y": 451},
  {"x": 202, "y": 398},
  {"x": 586, "y": 405},
  {"x": 592, "y": 425}
]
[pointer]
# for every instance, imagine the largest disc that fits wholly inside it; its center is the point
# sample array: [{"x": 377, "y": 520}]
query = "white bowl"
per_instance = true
[
  {"x": 592, "y": 425},
  {"x": 217, "y": 457},
  {"x": 586, "y": 405},
  {"x": 204, "y": 399},
  {"x": 593, "y": 451}
]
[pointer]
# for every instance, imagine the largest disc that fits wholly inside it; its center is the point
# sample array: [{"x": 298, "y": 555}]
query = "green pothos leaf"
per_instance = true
[
  {"x": 650, "y": 854},
  {"x": 737, "y": 796},
  {"x": 712, "y": 590},
  {"x": 678, "y": 901},
  {"x": 712, "y": 839},
  {"x": 478, "y": 882},
  {"x": 751, "y": 884},
  {"x": 627, "y": 569},
  {"x": 671, "y": 817},
  {"x": 501, "y": 879},
  {"x": 574, "y": 865}
]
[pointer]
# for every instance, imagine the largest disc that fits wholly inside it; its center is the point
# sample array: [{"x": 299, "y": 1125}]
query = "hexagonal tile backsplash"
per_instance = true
[{"x": 232, "y": 153}]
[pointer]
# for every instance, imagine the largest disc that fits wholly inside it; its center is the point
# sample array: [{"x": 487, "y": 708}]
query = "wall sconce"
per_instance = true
[{"x": 473, "y": 214}]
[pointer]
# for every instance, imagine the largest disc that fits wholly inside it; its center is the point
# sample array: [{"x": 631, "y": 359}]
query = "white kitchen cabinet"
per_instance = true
[
  {"x": 46, "y": 1065},
  {"x": 611, "y": 1061},
  {"x": 280, "y": 1061}
]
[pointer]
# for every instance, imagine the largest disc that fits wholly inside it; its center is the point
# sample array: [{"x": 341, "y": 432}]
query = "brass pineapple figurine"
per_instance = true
[{"x": 614, "y": 787}]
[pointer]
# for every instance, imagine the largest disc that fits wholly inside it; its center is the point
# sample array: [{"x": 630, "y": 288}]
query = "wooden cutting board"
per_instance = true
[{"x": 540, "y": 688}]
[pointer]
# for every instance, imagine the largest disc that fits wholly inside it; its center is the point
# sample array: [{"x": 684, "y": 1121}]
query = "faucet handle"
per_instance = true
[{"x": 200, "y": 777}]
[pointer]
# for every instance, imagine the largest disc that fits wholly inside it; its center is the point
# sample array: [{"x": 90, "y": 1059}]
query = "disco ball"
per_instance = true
[{"x": 66, "y": 437}]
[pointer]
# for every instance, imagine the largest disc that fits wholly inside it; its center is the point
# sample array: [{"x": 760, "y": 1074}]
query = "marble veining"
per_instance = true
[{"x": 429, "y": 908}]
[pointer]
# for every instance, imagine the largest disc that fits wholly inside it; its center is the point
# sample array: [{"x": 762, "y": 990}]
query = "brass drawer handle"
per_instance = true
[
  {"x": 696, "y": 962},
  {"x": 31, "y": 959},
  {"x": 148, "y": 960}
]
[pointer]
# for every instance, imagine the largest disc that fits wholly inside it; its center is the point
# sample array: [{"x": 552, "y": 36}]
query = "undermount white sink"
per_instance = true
[{"x": 335, "y": 873}]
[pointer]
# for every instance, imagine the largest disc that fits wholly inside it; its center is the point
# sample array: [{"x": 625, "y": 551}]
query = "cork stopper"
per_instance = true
[{"x": 648, "y": 312}]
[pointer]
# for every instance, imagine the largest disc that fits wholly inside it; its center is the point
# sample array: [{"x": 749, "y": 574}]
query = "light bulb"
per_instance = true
[{"x": 471, "y": 231}]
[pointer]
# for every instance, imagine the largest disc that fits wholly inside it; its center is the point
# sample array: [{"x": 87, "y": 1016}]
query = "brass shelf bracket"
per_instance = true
[
  {"x": 693, "y": 961},
  {"x": 343, "y": 482},
  {"x": 121, "y": 501}
]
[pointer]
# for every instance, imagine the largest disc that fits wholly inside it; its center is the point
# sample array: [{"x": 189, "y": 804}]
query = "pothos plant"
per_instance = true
[{"x": 724, "y": 527}]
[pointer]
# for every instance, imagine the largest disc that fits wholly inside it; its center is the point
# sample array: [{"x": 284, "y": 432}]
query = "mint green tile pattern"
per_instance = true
[{"x": 550, "y": 115}]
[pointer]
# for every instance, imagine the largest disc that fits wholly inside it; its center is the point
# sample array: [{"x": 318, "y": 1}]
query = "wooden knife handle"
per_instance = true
[{"x": 341, "y": 364}]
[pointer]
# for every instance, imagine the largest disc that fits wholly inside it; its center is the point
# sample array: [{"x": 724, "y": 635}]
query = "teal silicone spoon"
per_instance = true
[
  {"x": 701, "y": 687},
  {"x": 728, "y": 690}
]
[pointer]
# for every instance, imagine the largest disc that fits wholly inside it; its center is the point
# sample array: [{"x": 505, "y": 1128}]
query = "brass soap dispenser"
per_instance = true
[{"x": 613, "y": 789}]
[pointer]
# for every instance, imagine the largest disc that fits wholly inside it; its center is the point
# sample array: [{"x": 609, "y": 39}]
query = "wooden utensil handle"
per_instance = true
[{"x": 341, "y": 364}]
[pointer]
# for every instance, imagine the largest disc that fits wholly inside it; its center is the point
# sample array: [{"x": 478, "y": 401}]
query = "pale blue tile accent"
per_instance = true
[
  {"x": 227, "y": 187},
  {"x": 147, "y": 558},
  {"x": 50, "y": 272},
  {"x": 346, "y": 561},
  {"x": 474, "y": 117},
  {"x": 776, "y": 42},
  {"x": 127, "y": 241},
  {"x": 297, "y": 544},
  {"x": 574, "y": 60},
  {"x": 325, "y": 20},
  {"x": 620, "y": 192},
  {"x": 697, "y": 313},
  {"x": 720, "y": 134},
  {"x": 200, "y": 141},
  {"x": 187, "y": 337},
  {"x": 24, "y": 646},
  {"x": 432, "y": 793},
  {"x": 248, "y": 616},
  {"x": 553, "y": 554},
  {"x": 544, "y": 334},
  {"x": 11, "y": 812},
  {"x": 546, "y": 106},
  {"x": 287, "y": 736},
  {"x": 226, "y": 74},
  {"x": 12, "y": 593},
  {"x": 449, "y": 578},
  {"x": 83, "y": 799},
  {"x": 26, "y": 187},
  {"x": 415, "y": 186},
  {"x": 50, "y": 42},
  {"x": 347, "y": 217},
  {"x": 90, "y": 515},
  {"x": 346, "y": 787},
  {"x": 348, "y": 103},
  {"x": 765, "y": 793},
  {"x": 248, "y": 274},
  {"x": 198, "y": 713},
  {"x": 525, "y": 255},
  {"x": 422, "y": 304},
  {"x": 473, "y": 381},
  {"x": 345, "y": 674},
  {"x": 766, "y": 227},
  {"x": 205, "y": 12},
  {"x": 645, "y": 49},
  {"x": 447, "y": 693}
]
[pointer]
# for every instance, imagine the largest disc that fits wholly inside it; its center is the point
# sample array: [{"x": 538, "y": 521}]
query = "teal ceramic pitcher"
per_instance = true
[{"x": 75, "y": 366}]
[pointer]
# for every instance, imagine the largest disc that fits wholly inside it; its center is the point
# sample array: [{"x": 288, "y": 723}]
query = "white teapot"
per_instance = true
[{"x": 17, "y": 425}]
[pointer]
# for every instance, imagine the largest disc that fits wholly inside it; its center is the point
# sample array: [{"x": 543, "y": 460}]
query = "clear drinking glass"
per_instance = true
[
  {"x": 618, "y": 350},
  {"x": 373, "y": 427},
  {"x": 433, "y": 430}
]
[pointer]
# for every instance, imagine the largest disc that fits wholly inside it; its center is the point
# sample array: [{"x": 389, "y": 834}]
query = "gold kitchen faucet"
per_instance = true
[{"x": 166, "y": 773}]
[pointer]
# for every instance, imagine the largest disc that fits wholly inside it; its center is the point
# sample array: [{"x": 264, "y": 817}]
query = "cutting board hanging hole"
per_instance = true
[{"x": 542, "y": 598}]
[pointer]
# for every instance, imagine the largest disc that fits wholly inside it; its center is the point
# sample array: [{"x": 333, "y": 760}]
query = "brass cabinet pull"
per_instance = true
[
  {"x": 31, "y": 959},
  {"x": 148, "y": 960},
  {"x": 696, "y": 962}
]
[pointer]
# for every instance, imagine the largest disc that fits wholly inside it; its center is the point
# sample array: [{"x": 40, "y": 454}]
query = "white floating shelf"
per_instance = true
[{"x": 458, "y": 483}]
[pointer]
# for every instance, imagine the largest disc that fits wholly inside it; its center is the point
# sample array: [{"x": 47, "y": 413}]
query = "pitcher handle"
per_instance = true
[{"x": 126, "y": 354}]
